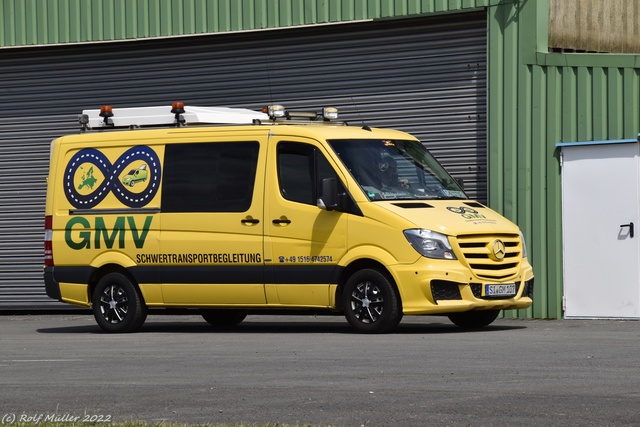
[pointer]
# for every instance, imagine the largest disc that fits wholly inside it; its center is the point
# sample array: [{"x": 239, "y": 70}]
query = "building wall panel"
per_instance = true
[
  {"x": 611, "y": 26},
  {"x": 41, "y": 22},
  {"x": 535, "y": 100},
  {"x": 557, "y": 104}
]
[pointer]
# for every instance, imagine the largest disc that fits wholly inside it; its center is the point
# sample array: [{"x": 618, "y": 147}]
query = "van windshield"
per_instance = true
[{"x": 396, "y": 170}]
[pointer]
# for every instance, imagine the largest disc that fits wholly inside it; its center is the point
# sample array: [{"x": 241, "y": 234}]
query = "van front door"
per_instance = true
[
  {"x": 303, "y": 243},
  {"x": 212, "y": 234}
]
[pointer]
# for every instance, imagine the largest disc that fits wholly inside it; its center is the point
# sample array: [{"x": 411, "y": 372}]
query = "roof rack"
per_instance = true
[{"x": 177, "y": 115}]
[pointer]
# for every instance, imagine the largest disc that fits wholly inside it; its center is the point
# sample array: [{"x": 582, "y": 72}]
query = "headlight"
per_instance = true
[
  {"x": 429, "y": 243},
  {"x": 524, "y": 246}
]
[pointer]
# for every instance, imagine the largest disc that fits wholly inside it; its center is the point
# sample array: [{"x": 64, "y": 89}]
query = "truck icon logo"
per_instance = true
[{"x": 135, "y": 175}]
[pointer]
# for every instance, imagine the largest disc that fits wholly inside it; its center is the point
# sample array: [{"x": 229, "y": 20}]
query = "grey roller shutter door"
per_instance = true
[{"x": 424, "y": 76}]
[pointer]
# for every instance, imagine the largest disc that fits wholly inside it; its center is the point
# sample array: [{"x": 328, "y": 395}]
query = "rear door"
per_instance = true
[{"x": 303, "y": 243}]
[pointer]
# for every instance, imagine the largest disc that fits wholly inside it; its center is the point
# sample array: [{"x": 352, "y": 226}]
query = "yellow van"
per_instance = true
[{"x": 248, "y": 212}]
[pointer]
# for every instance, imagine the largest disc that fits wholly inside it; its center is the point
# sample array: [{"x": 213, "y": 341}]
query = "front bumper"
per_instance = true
[{"x": 441, "y": 287}]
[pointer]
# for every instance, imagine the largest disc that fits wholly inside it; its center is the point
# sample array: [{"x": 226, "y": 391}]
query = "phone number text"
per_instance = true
[{"x": 306, "y": 259}]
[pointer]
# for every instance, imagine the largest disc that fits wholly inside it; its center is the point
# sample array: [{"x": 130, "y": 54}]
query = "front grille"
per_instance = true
[{"x": 478, "y": 252}]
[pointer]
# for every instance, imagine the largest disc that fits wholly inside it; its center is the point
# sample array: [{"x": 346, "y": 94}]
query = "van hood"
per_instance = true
[{"x": 451, "y": 217}]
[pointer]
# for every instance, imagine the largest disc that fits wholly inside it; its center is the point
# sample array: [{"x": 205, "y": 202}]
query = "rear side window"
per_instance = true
[{"x": 209, "y": 177}]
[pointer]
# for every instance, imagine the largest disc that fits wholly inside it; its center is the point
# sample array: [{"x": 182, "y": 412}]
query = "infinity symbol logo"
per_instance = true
[
  {"x": 461, "y": 210},
  {"x": 91, "y": 189}
]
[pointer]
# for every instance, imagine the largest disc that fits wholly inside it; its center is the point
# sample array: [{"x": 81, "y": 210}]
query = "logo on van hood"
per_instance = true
[
  {"x": 90, "y": 177},
  {"x": 470, "y": 214}
]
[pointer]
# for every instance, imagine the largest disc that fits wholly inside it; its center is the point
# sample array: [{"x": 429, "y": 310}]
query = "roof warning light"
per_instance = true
[
  {"x": 177, "y": 108},
  {"x": 106, "y": 112}
]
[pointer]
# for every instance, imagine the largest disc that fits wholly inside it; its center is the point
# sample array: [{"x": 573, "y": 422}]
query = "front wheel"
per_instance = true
[
  {"x": 370, "y": 302},
  {"x": 474, "y": 319},
  {"x": 117, "y": 304}
]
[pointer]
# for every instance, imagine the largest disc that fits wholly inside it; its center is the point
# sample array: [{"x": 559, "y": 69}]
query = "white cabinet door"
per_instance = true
[{"x": 600, "y": 245}]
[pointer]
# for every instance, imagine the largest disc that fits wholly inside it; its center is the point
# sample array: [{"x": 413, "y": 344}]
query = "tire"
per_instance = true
[
  {"x": 223, "y": 318},
  {"x": 474, "y": 319},
  {"x": 370, "y": 302},
  {"x": 117, "y": 304}
]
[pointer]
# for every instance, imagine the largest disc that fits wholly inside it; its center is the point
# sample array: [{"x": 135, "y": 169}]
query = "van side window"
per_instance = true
[
  {"x": 209, "y": 177},
  {"x": 301, "y": 168}
]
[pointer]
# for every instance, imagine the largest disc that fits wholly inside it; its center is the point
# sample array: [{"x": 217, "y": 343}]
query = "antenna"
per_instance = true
[{"x": 365, "y": 127}]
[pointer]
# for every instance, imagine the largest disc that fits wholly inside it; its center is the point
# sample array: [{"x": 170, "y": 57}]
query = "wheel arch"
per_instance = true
[
  {"x": 102, "y": 271},
  {"x": 360, "y": 264}
]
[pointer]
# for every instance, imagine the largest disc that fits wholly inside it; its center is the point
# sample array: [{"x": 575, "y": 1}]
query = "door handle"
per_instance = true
[
  {"x": 630, "y": 225},
  {"x": 250, "y": 221},
  {"x": 281, "y": 221}
]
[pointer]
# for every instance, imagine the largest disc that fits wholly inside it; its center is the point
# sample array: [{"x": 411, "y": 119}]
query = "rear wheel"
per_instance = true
[
  {"x": 117, "y": 304},
  {"x": 474, "y": 319},
  {"x": 370, "y": 302},
  {"x": 222, "y": 318}
]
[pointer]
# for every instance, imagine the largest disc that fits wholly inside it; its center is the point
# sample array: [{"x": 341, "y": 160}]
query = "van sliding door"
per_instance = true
[{"x": 212, "y": 236}]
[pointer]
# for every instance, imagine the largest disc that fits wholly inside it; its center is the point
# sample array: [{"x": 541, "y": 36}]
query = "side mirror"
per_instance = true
[
  {"x": 460, "y": 182},
  {"x": 329, "y": 198}
]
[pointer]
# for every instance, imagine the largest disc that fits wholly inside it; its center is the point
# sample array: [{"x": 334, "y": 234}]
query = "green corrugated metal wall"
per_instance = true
[
  {"x": 36, "y": 22},
  {"x": 535, "y": 99}
]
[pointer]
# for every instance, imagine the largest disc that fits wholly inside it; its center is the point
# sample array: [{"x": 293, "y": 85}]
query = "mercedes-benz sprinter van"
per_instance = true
[{"x": 240, "y": 212}]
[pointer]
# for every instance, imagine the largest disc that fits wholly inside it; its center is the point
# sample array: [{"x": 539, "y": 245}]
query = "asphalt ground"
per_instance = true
[{"x": 315, "y": 371}]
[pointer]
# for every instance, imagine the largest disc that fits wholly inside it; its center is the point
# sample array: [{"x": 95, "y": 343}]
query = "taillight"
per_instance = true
[{"x": 48, "y": 247}]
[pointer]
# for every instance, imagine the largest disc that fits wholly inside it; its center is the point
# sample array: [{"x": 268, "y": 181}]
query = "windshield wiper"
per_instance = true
[{"x": 447, "y": 198}]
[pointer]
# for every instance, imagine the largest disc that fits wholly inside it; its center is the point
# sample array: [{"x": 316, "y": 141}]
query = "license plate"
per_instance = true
[{"x": 500, "y": 290}]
